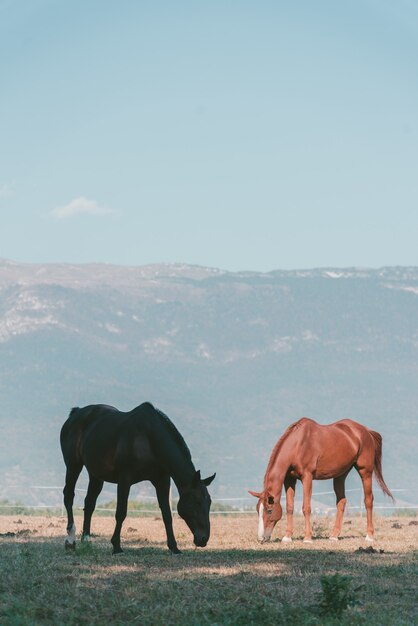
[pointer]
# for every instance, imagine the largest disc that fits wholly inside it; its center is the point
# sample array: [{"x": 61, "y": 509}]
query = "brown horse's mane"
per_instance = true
[{"x": 279, "y": 444}]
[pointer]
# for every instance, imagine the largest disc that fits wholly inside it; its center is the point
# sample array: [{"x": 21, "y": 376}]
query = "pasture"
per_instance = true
[{"x": 235, "y": 580}]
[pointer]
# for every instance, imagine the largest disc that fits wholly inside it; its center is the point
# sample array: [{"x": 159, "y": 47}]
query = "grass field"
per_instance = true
[{"x": 235, "y": 580}]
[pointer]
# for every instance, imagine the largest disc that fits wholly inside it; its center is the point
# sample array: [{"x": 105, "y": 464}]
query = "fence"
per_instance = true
[{"x": 245, "y": 502}]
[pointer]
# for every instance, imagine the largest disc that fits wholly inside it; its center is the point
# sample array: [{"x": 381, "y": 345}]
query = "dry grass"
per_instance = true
[{"x": 235, "y": 580}]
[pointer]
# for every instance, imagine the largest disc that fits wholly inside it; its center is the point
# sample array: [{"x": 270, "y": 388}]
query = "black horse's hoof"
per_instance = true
[
  {"x": 117, "y": 551},
  {"x": 175, "y": 551},
  {"x": 69, "y": 547}
]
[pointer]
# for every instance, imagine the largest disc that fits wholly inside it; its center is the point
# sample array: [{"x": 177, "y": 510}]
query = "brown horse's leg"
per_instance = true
[
  {"x": 71, "y": 477},
  {"x": 289, "y": 485},
  {"x": 94, "y": 488},
  {"x": 306, "y": 507},
  {"x": 121, "y": 511},
  {"x": 162, "y": 487},
  {"x": 366, "y": 477},
  {"x": 339, "y": 488}
]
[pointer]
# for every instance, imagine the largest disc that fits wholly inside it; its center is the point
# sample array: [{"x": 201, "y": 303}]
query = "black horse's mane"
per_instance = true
[{"x": 177, "y": 436}]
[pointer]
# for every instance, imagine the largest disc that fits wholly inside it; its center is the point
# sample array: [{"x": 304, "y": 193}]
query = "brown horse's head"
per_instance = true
[
  {"x": 269, "y": 512},
  {"x": 194, "y": 505}
]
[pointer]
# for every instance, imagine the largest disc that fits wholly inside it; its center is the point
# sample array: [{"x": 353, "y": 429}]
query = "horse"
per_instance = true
[
  {"x": 308, "y": 450},
  {"x": 126, "y": 448}
]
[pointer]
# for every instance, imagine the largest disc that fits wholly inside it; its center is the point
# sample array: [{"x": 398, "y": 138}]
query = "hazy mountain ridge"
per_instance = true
[{"x": 232, "y": 358}]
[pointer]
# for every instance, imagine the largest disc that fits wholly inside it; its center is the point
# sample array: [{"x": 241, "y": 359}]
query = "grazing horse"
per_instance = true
[
  {"x": 306, "y": 451},
  {"x": 126, "y": 448}
]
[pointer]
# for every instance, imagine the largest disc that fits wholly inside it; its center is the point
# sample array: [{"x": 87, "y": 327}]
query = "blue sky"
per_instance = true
[{"x": 234, "y": 134}]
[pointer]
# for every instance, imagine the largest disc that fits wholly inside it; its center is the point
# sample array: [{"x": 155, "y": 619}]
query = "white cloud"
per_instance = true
[
  {"x": 6, "y": 190},
  {"x": 80, "y": 206}
]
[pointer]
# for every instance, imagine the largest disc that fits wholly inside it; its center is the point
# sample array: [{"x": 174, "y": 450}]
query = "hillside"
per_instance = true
[{"x": 232, "y": 358}]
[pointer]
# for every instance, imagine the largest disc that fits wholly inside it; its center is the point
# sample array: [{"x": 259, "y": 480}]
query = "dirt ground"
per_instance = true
[{"x": 392, "y": 534}]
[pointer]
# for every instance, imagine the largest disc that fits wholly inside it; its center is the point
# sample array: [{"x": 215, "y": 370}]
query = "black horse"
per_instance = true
[{"x": 126, "y": 448}]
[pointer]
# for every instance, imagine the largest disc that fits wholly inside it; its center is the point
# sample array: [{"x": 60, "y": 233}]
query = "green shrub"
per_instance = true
[{"x": 337, "y": 595}]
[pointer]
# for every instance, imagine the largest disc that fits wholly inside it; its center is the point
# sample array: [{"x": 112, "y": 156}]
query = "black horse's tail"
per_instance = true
[
  {"x": 378, "y": 463},
  {"x": 73, "y": 412},
  {"x": 70, "y": 419},
  {"x": 67, "y": 427}
]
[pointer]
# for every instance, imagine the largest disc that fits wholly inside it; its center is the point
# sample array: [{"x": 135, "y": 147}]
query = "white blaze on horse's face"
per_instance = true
[
  {"x": 260, "y": 522},
  {"x": 267, "y": 525}
]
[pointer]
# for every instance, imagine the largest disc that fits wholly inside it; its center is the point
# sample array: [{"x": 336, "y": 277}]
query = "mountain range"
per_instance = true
[{"x": 232, "y": 358}]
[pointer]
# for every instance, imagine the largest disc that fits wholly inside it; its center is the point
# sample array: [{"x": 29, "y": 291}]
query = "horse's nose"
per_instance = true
[{"x": 201, "y": 540}]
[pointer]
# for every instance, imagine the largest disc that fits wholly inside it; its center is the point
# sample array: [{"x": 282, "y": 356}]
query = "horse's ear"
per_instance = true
[
  {"x": 255, "y": 494},
  {"x": 196, "y": 479},
  {"x": 208, "y": 480}
]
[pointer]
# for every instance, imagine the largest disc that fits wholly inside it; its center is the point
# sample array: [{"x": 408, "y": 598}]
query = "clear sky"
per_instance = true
[{"x": 242, "y": 135}]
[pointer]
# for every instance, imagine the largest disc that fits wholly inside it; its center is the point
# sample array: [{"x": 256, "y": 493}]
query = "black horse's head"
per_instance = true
[{"x": 194, "y": 505}]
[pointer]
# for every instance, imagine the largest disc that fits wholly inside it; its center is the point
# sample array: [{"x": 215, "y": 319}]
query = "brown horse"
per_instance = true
[{"x": 306, "y": 451}]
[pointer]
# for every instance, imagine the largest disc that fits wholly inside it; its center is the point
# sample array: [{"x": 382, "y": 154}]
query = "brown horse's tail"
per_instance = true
[{"x": 378, "y": 463}]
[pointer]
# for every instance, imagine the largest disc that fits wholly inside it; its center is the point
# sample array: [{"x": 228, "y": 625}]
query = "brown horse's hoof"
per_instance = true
[{"x": 69, "y": 546}]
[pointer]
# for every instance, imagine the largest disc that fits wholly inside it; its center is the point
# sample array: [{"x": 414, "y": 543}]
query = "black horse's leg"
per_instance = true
[
  {"x": 71, "y": 476},
  {"x": 162, "y": 487},
  {"x": 94, "y": 488},
  {"x": 121, "y": 511}
]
